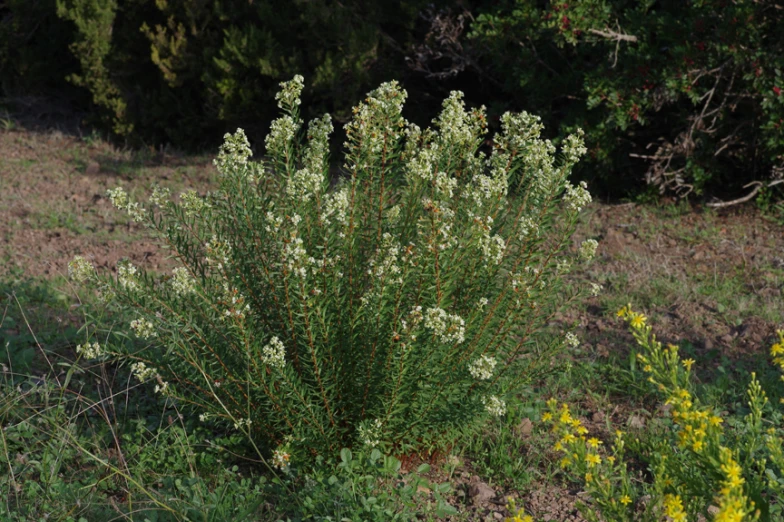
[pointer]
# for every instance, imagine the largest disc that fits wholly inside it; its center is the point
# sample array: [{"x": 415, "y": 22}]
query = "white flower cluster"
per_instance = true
[
  {"x": 218, "y": 253},
  {"x": 282, "y": 131},
  {"x": 192, "y": 203},
  {"x": 482, "y": 368},
  {"x": 143, "y": 328},
  {"x": 290, "y": 91},
  {"x": 588, "y": 249},
  {"x": 562, "y": 266},
  {"x": 492, "y": 247},
  {"x": 118, "y": 197},
  {"x": 80, "y": 269},
  {"x": 444, "y": 185},
  {"x": 494, "y": 406},
  {"x": 578, "y": 197},
  {"x": 422, "y": 168},
  {"x": 126, "y": 276},
  {"x": 483, "y": 302},
  {"x": 518, "y": 131},
  {"x": 457, "y": 127},
  {"x": 486, "y": 189},
  {"x": 160, "y": 196},
  {"x": 370, "y": 433},
  {"x": 274, "y": 223},
  {"x": 573, "y": 147},
  {"x": 571, "y": 340},
  {"x": 143, "y": 372},
  {"x": 182, "y": 283},
  {"x": 304, "y": 183},
  {"x": 274, "y": 353},
  {"x": 444, "y": 220},
  {"x": 241, "y": 423},
  {"x": 336, "y": 207},
  {"x": 280, "y": 459},
  {"x": 309, "y": 180},
  {"x": 596, "y": 289},
  {"x": 295, "y": 257},
  {"x": 387, "y": 265},
  {"x": 234, "y": 300},
  {"x": 121, "y": 201},
  {"x": 415, "y": 317},
  {"x": 90, "y": 351},
  {"x": 379, "y": 115},
  {"x": 527, "y": 227},
  {"x": 162, "y": 386},
  {"x": 540, "y": 159},
  {"x": 449, "y": 328},
  {"x": 393, "y": 214},
  {"x": 233, "y": 153}
]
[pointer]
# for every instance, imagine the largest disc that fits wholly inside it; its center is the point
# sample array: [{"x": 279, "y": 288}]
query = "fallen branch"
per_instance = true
[
  {"x": 613, "y": 35},
  {"x": 758, "y": 185}
]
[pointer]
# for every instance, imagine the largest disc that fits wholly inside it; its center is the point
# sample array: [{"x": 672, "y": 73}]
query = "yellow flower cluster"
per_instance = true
[
  {"x": 733, "y": 504},
  {"x": 518, "y": 514},
  {"x": 777, "y": 351},
  {"x": 670, "y": 375},
  {"x": 699, "y": 429},
  {"x": 606, "y": 484},
  {"x": 673, "y": 507}
]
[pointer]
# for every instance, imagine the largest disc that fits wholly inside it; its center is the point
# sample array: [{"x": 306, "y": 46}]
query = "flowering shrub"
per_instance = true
[
  {"x": 392, "y": 307},
  {"x": 698, "y": 468}
]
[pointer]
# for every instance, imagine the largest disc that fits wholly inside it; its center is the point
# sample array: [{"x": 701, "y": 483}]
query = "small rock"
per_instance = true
[
  {"x": 708, "y": 344},
  {"x": 636, "y": 422},
  {"x": 93, "y": 168},
  {"x": 713, "y": 510},
  {"x": 497, "y": 515},
  {"x": 597, "y": 417},
  {"x": 480, "y": 492},
  {"x": 727, "y": 339},
  {"x": 525, "y": 428}
]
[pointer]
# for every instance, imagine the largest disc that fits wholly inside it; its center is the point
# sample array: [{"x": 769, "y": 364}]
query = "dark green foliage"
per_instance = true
[
  {"x": 34, "y": 56},
  {"x": 183, "y": 72},
  {"x": 690, "y": 92}
]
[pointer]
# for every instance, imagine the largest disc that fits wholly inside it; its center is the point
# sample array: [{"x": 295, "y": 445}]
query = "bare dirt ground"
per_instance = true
[{"x": 714, "y": 279}]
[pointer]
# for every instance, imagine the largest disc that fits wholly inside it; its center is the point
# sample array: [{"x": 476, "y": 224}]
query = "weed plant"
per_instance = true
[
  {"x": 705, "y": 463},
  {"x": 396, "y": 305}
]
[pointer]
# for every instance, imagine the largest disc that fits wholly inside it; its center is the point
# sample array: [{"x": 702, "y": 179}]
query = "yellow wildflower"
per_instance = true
[
  {"x": 637, "y": 320},
  {"x": 673, "y": 506},
  {"x": 687, "y": 363},
  {"x": 547, "y": 417},
  {"x": 593, "y": 459},
  {"x": 588, "y": 477},
  {"x": 625, "y": 500},
  {"x": 594, "y": 442}
]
